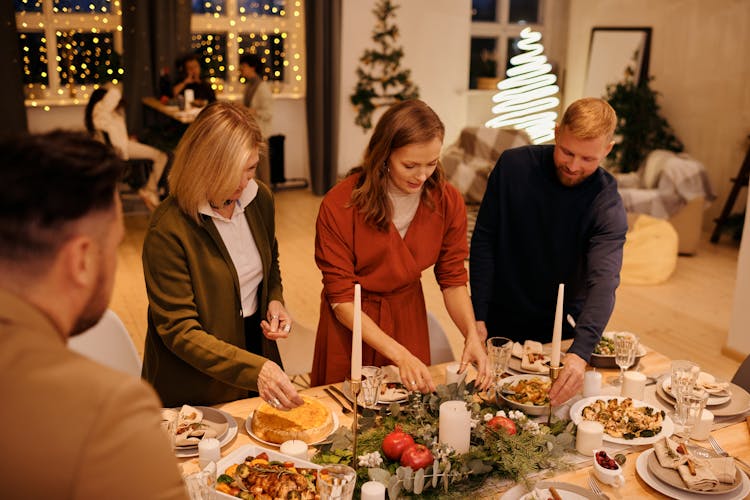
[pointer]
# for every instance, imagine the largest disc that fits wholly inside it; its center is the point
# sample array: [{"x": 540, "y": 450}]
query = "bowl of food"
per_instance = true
[
  {"x": 528, "y": 393},
  {"x": 604, "y": 353}
]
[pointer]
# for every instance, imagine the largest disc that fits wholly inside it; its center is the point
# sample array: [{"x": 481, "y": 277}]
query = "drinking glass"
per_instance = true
[
  {"x": 372, "y": 377},
  {"x": 626, "y": 349},
  {"x": 690, "y": 405},
  {"x": 336, "y": 482},
  {"x": 200, "y": 486},
  {"x": 499, "y": 350},
  {"x": 683, "y": 376}
]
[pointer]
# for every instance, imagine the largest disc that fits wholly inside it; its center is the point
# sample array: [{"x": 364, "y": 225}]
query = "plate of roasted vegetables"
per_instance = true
[
  {"x": 625, "y": 420},
  {"x": 251, "y": 472}
]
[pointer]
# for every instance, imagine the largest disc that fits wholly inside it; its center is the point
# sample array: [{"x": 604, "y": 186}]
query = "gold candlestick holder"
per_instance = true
[
  {"x": 355, "y": 386},
  {"x": 554, "y": 372}
]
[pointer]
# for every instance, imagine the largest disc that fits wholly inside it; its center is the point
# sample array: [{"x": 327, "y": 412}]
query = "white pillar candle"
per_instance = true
[
  {"x": 451, "y": 374},
  {"x": 455, "y": 425},
  {"x": 702, "y": 428},
  {"x": 357, "y": 334},
  {"x": 557, "y": 328},
  {"x": 189, "y": 97},
  {"x": 373, "y": 490},
  {"x": 589, "y": 437},
  {"x": 592, "y": 383},
  {"x": 209, "y": 450},
  {"x": 294, "y": 448},
  {"x": 633, "y": 385}
]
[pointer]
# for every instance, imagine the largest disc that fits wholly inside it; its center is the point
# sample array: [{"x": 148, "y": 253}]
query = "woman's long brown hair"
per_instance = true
[{"x": 404, "y": 123}]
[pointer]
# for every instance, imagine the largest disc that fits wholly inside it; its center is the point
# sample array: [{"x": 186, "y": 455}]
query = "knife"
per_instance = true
[{"x": 341, "y": 393}]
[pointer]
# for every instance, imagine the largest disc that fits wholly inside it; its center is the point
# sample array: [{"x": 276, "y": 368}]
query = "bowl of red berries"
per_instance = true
[{"x": 607, "y": 470}]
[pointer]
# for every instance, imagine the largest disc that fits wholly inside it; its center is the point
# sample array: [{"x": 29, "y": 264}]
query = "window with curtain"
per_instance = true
[
  {"x": 68, "y": 47},
  {"x": 223, "y": 30},
  {"x": 495, "y": 29}
]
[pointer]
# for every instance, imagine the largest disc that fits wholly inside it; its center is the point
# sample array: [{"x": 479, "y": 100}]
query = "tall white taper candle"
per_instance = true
[
  {"x": 357, "y": 334},
  {"x": 557, "y": 328}
]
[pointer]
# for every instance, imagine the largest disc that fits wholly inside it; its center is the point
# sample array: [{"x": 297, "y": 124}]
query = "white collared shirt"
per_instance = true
[{"x": 237, "y": 237}]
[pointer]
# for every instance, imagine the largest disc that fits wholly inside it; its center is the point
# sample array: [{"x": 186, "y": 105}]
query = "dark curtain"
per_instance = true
[
  {"x": 155, "y": 34},
  {"x": 12, "y": 107},
  {"x": 323, "y": 43}
]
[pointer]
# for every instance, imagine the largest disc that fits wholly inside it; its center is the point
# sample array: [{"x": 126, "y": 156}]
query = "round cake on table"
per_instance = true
[{"x": 309, "y": 422}]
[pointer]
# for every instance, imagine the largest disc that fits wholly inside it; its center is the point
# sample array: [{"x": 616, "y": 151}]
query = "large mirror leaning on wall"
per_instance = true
[{"x": 611, "y": 52}]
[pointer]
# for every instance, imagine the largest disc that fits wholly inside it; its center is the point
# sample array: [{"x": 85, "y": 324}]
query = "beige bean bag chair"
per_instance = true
[{"x": 650, "y": 253}]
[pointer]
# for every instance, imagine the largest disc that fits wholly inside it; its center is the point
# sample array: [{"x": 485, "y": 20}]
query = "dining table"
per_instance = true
[
  {"x": 185, "y": 116},
  {"x": 732, "y": 433}
]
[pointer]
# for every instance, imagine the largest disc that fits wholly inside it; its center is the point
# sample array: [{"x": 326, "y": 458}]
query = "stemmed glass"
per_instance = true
[
  {"x": 372, "y": 377},
  {"x": 689, "y": 407},
  {"x": 498, "y": 351},
  {"x": 683, "y": 376},
  {"x": 626, "y": 349}
]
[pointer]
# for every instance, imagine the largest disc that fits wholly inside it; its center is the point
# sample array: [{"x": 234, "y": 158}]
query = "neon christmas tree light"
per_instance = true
[{"x": 528, "y": 97}]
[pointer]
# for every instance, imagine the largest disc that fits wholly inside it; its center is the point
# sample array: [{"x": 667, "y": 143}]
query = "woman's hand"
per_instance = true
[
  {"x": 474, "y": 353},
  {"x": 276, "y": 389},
  {"x": 414, "y": 374},
  {"x": 278, "y": 323}
]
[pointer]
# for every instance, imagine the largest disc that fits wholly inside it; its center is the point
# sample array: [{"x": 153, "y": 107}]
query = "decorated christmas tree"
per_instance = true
[
  {"x": 528, "y": 97},
  {"x": 382, "y": 81}
]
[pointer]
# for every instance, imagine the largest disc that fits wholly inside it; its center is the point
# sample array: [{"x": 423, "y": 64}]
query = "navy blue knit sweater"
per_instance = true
[{"x": 532, "y": 233}]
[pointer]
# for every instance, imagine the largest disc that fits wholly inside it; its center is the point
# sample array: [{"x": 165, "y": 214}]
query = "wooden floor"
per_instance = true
[{"x": 685, "y": 318}]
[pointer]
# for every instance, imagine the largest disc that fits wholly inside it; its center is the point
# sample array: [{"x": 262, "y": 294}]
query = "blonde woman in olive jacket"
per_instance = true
[{"x": 210, "y": 261}]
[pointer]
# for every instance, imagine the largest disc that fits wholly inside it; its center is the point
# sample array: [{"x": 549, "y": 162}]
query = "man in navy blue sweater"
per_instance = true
[{"x": 552, "y": 215}]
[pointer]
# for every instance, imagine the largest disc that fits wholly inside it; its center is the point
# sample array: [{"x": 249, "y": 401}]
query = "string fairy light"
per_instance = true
[{"x": 528, "y": 97}]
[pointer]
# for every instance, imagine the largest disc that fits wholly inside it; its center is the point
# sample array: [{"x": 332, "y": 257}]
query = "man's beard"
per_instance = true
[{"x": 94, "y": 309}]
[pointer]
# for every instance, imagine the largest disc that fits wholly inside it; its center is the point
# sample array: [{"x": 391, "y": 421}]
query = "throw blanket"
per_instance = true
[
  {"x": 669, "y": 181},
  {"x": 469, "y": 161}
]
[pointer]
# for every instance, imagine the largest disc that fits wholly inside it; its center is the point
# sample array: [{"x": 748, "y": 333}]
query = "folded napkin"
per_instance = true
[
  {"x": 715, "y": 387},
  {"x": 517, "y": 351},
  {"x": 190, "y": 429},
  {"x": 704, "y": 478},
  {"x": 723, "y": 468},
  {"x": 667, "y": 454}
]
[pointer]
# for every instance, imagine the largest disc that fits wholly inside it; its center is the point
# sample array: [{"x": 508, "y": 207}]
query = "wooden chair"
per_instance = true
[{"x": 742, "y": 376}]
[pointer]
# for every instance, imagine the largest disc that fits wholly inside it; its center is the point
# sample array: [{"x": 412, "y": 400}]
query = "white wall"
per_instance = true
[
  {"x": 739, "y": 329},
  {"x": 435, "y": 35},
  {"x": 701, "y": 69},
  {"x": 289, "y": 119}
]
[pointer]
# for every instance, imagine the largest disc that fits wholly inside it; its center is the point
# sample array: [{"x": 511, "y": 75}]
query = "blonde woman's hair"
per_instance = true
[
  {"x": 404, "y": 123},
  {"x": 212, "y": 155},
  {"x": 589, "y": 118}
]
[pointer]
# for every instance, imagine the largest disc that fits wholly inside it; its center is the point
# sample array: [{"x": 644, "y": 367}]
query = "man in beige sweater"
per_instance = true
[{"x": 71, "y": 427}]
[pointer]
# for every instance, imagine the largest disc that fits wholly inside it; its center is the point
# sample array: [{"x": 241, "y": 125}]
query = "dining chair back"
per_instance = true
[
  {"x": 108, "y": 343},
  {"x": 742, "y": 376},
  {"x": 440, "y": 348}
]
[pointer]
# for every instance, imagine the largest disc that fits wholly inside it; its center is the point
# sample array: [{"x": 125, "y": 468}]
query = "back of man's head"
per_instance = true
[
  {"x": 590, "y": 118},
  {"x": 50, "y": 182}
]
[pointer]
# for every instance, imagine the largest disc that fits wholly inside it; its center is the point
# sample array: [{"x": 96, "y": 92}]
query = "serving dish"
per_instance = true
[
  {"x": 667, "y": 427},
  {"x": 529, "y": 409}
]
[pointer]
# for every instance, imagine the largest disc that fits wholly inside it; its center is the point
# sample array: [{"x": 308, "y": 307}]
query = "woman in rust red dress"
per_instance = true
[{"x": 389, "y": 220}]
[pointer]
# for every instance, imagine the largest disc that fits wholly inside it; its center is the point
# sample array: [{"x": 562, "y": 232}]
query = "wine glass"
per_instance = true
[
  {"x": 683, "y": 376},
  {"x": 372, "y": 377},
  {"x": 626, "y": 349},
  {"x": 498, "y": 351},
  {"x": 689, "y": 407}
]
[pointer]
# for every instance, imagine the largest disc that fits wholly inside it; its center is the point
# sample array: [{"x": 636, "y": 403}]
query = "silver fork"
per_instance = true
[
  {"x": 596, "y": 489},
  {"x": 718, "y": 449}
]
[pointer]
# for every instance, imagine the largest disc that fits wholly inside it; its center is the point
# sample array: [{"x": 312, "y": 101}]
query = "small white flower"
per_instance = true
[
  {"x": 474, "y": 422},
  {"x": 500, "y": 413},
  {"x": 370, "y": 459},
  {"x": 487, "y": 417}
]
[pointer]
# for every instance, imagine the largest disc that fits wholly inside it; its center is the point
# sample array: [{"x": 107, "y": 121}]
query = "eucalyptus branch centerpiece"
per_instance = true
[{"x": 399, "y": 447}]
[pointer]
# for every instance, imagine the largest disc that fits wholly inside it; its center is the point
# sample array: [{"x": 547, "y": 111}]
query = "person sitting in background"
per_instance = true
[
  {"x": 73, "y": 428},
  {"x": 258, "y": 100},
  {"x": 189, "y": 69},
  {"x": 105, "y": 115},
  {"x": 211, "y": 264},
  {"x": 382, "y": 226}
]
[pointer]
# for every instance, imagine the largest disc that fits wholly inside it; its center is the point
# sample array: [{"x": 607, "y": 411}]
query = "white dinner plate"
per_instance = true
[
  {"x": 230, "y": 433},
  {"x": 238, "y": 456},
  {"x": 529, "y": 409},
  {"x": 667, "y": 426},
  {"x": 249, "y": 429},
  {"x": 713, "y": 400},
  {"x": 641, "y": 467},
  {"x": 566, "y": 491}
]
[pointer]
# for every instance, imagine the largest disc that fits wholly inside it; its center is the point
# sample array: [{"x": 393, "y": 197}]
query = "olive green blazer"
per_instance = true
[{"x": 195, "y": 343}]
